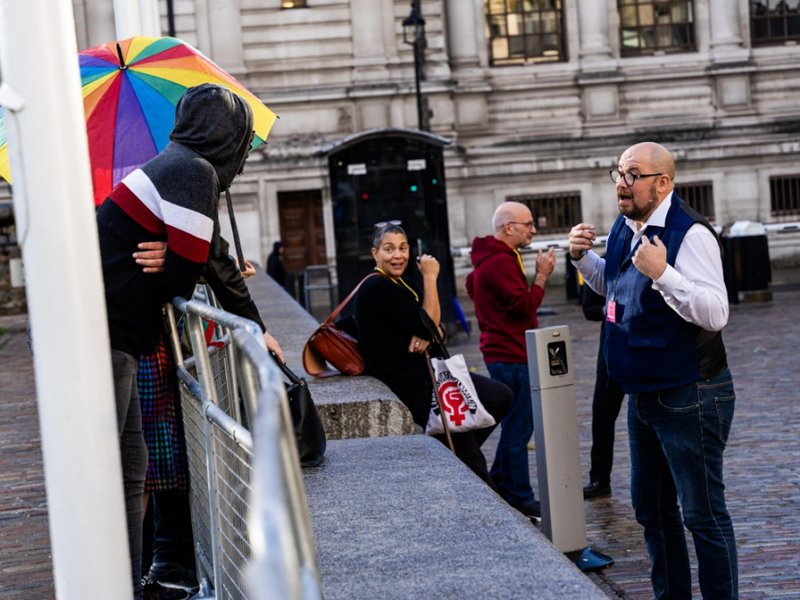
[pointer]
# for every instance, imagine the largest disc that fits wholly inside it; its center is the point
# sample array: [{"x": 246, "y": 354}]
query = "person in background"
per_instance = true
[
  {"x": 606, "y": 403},
  {"x": 275, "y": 266},
  {"x": 666, "y": 306},
  {"x": 393, "y": 323},
  {"x": 505, "y": 307}
]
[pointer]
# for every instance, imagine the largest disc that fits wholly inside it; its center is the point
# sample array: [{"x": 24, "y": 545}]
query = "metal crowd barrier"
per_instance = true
[{"x": 252, "y": 529}]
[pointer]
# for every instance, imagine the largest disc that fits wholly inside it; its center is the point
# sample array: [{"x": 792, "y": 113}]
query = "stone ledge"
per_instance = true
[
  {"x": 401, "y": 517},
  {"x": 349, "y": 406}
]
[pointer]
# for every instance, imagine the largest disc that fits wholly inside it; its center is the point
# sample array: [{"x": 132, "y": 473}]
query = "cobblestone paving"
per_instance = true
[{"x": 762, "y": 462}]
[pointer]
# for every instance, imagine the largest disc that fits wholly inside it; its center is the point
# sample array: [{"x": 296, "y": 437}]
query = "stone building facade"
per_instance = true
[{"x": 537, "y": 99}]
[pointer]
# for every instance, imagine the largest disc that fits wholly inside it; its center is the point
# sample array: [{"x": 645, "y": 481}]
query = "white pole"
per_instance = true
[{"x": 57, "y": 233}]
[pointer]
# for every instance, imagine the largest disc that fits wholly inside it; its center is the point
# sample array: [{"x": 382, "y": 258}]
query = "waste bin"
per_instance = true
[{"x": 747, "y": 265}]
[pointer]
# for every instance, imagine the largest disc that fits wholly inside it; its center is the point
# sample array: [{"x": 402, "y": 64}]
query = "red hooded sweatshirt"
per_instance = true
[{"x": 504, "y": 304}]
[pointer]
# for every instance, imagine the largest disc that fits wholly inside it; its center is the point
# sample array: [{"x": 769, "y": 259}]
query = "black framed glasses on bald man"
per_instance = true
[
  {"x": 629, "y": 178},
  {"x": 526, "y": 224}
]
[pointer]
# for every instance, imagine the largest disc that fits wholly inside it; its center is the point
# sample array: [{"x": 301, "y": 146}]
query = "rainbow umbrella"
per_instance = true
[
  {"x": 130, "y": 90},
  {"x": 5, "y": 169}
]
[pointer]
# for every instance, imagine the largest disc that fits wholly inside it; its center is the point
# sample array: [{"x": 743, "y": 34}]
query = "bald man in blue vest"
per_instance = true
[{"x": 666, "y": 305}]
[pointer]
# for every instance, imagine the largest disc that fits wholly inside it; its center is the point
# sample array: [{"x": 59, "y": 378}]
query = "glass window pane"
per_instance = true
[
  {"x": 500, "y": 48},
  {"x": 533, "y": 46},
  {"x": 550, "y": 22},
  {"x": 664, "y": 37},
  {"x": 498, "y": 26},
  {"x": 630, "y": 38},
  {"x": 628, "y": 16},
  {"x": 645, "y": 14},
  {"x": 532, "y": 24},
  {"x": 497, "y": 7},
  {"x": 515, "y": 25}
]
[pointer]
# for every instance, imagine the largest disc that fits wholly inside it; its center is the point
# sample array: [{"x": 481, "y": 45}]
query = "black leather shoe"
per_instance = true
[{"x": 596, "y": 490}]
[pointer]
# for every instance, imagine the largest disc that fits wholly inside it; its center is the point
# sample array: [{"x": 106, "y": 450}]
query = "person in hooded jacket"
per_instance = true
[
  {"x": 505, "y": 307},
  {"x": 275, "y": 266},
  {"x": 172, "y": 198}
]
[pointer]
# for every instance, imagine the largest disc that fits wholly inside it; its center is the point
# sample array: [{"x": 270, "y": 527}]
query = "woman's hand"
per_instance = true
[
  {"x": 151, "y": 257},
  {"x": 249, "y": 269},
  {"x": 428, "y": 266},
  {"x": 272, "y": 344},
  {"x": 417, "y": 344}
]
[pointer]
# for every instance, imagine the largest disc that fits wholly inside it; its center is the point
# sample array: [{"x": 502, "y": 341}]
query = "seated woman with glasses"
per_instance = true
[{"x": 393, "y": 321}]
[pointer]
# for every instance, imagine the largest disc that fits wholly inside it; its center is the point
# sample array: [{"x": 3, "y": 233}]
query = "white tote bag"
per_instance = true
[{"x": 462, "y": 408}]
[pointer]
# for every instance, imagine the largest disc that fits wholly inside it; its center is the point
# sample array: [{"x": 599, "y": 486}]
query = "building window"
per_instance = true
[
  {"x": 784, "y": 197},
  {"x": 552, "y": 213},
  {"x": 699, "y": 196},
  {"x": 293, "y": 4},
  {"x": 524, "y": 31},
  {"x": 656, "y": 26},
  {"x": 774, "y": 21}
]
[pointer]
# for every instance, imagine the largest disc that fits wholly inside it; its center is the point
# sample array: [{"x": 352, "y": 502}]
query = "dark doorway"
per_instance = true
[
  {"x": 303, "y": 234},
  {"x": 390, "y": 174}
]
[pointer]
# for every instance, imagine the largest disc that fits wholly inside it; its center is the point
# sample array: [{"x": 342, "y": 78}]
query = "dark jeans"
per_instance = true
[
  {"x": 496, "y": 399},
  {"x": 510, "y": 470},
  {"x": 133, "y": 453},
  {"x": 171, "y": 541},
  {"x": 606, "y": 404},
  {"x": 677, "y": 438}
]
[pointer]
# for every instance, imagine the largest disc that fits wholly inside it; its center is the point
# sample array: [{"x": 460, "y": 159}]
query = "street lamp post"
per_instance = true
[{"x": 414, "y": 35}]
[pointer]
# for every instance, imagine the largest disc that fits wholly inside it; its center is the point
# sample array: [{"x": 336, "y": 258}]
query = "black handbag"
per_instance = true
[{"x": 308, "y": 429}]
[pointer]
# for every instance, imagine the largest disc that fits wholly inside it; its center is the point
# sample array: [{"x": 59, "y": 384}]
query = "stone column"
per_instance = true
[
  {"x": 729, "y": 59},
  {"x": 726, "y": 38},
  {"x": 593, "y": 28},
  {"x": 598, "y": 77},
  {"x": 462, "y": 33},
  {"x": 462, "y": 18},
  {"x": 225, "y": 29}
]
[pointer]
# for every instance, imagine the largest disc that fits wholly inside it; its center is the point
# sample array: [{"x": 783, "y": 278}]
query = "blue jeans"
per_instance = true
[
  {"x": 133, "y": 453},
  {"x": 676, "y": 439},
  {"x": 510, "y": 470}
]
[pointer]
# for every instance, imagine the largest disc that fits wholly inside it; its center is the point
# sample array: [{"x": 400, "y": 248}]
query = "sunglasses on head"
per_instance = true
[{"x": 382, "y": 224}]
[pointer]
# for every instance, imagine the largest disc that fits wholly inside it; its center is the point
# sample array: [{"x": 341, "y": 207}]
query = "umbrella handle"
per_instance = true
[{"x": 235, "y": 230}]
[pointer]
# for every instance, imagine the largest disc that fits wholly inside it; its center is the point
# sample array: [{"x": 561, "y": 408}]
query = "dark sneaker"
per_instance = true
[
  {"x": 529, "y": 509},
  {"x": 169, "y": 581},
  {"x": 596, "y": 490},
  {"x": 154, "y": 590}
]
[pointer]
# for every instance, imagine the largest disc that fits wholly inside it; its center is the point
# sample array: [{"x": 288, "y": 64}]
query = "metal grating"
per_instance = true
[{"x": 216, "y": 384}]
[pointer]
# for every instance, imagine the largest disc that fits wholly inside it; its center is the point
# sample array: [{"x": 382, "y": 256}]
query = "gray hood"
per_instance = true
[{"x": 218, "y": 125}]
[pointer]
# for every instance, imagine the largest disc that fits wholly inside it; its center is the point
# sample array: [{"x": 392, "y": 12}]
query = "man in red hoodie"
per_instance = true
[{"x": 505, "y": 306}]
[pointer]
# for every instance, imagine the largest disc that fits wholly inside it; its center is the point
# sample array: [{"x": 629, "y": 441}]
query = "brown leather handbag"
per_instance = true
[{"x": 329, "y": 345}]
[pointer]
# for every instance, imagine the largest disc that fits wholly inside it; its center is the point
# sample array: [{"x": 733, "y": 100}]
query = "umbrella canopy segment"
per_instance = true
[
  {"x": 130, "y": 90},
  {"x": 5, "y": 169}
]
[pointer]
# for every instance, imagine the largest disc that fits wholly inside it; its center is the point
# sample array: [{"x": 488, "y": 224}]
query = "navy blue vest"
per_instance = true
[{"x": 650, "y": 347}]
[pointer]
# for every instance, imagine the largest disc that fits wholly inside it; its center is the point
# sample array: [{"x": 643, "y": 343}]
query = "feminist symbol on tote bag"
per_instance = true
[{"x": 453, "y": 402}]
